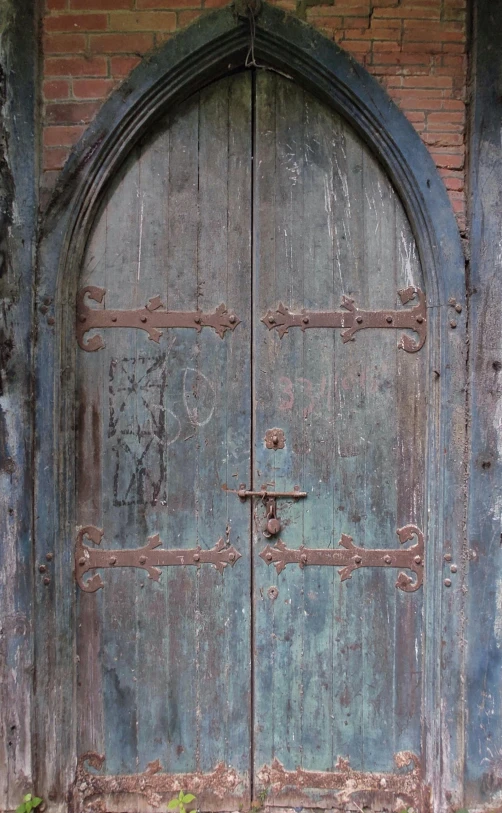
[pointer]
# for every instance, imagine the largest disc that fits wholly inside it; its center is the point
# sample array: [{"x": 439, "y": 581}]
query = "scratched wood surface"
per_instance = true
[
  {"x": 164, "y": 668},
  {"x": 336, "y": 666}
]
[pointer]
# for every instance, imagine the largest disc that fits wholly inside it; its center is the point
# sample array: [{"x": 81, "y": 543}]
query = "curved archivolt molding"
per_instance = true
[{"x": 214, "y": 46}]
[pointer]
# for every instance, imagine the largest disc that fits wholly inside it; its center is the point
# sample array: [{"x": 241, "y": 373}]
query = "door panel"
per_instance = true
[
  {"x": 255, "y": 671},
  {"x": 164, "y": 670},
  {"x": 336, "y": 665}
]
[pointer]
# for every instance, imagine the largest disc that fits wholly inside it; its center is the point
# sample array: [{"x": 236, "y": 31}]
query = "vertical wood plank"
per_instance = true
[
  {"x": 172, "y": 432},
  {"x": 326, "y": 224},
  {"x": 18, "y": 223}
]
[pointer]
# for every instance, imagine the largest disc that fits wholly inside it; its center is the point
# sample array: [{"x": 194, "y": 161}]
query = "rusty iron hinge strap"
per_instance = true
[
  {"x": 347, "y": 784},
  {"x": 150, "y": 318},
  {"x": 150, "y": 557},
  {"x": 351, "y": 557},
  {"x": 353, "y": 319},
  {"x": 153, "y": 783}
]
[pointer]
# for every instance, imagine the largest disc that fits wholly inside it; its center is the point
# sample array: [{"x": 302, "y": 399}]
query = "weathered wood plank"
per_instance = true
[
  {"x": 18, "y": 196},
  {"x": 326, "y": 224},
  {"x": 168, "y": 437},
  {"x": 483, "y": 632}
]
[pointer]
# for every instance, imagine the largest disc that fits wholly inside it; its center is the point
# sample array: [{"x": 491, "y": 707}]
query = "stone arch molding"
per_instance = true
[{"x": 210, "y": 48}]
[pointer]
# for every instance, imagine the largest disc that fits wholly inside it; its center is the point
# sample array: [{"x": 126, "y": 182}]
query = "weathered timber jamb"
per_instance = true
[
  {"x": 209, "y": 49},
  {"x": 18, "y": 206},
  {"x": 483, "y": 783}
]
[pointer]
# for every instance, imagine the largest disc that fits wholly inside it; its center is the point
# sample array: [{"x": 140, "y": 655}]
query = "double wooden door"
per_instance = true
[{"x": 216, "y": 359}]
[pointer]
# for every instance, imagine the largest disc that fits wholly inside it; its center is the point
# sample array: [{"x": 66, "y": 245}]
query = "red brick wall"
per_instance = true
[{"x": 415, "y": 48}]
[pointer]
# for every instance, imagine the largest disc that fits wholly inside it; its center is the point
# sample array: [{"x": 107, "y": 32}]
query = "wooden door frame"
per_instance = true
[{"x": 210, "y": 48}]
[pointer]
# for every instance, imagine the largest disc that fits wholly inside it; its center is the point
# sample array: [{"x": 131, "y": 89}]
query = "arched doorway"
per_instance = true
[{"x": 250, "y": 207}]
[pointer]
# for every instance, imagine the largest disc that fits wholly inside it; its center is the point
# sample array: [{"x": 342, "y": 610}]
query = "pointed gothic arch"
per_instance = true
[{"x": 212, "y": 47}]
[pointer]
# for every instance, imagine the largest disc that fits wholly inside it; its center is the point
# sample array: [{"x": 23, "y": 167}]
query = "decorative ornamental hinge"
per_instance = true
[
  {"x": 353, "y": 319},
  {"x": 351, "y": 557},
  {"x": 150, "y": 318},
  {"x": 150, "y": 557}
]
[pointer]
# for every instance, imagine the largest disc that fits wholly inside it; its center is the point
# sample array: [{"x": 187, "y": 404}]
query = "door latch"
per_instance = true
[{"x": 272, "y": 524}]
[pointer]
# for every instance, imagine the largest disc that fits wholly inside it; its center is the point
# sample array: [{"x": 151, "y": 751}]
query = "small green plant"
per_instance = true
[
  {"x": 179, "y": 802},
  {"x": 28, "y": 804}
]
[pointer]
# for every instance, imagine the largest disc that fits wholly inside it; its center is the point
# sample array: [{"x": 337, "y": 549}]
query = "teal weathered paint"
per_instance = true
[{"x": 396, "y": 185}]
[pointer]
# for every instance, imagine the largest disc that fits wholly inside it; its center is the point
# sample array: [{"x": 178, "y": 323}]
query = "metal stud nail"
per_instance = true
[
  {"x": 142, "y": 560},
  {"x": 389, "y": 319},
  {"x": 387, "y": 560}
]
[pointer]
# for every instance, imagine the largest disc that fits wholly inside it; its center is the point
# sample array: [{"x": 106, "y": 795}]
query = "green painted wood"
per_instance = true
[
  {"x": 328, "y": 656},
  {"x": 163, "y": 430},
  {"x": 210, "y": 48}
]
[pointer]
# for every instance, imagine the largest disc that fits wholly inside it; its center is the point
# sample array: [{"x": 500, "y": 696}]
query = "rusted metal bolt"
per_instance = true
[
  {"x": 232, "y": 319},
  {"x": 420, "y": 319},
  {"x": 143, "y": 318},
  {"x": 447, "y": 582},
  {"x": 82, "y": 318},
  {"x": 51, "y": 321},
  {"x": 49, "y": 557},
  {"x": 458, "y": 308},
  {"x": 272, "y": 593},
  {"x": 389, "y": 319},
  {"x": 357, "y": 560},
  {"x": 197, "y": 319},
  {"x": 42, "y": 568},
  {"x": 242, "y": 493},
  {"x": 114, "y": 318},
  {"x": 453, "y": 568},
  {"x": 447, "y": 557},
  {"x": 271, "y": 320},
  {"x": 113, "y": 560},
  {"x": 81, "y": 561},
  {"x": 418, "y": 560},
  {"x": 359, "y": 319},
  {"x": 142, "y": 560},
  {"x": 387, "y": 560},
  {"x": 305, "y": 320},
  {"x": 46, "y": 580},
  {"x": 275, "y": 439},
  {"x": 196, "y": 557},
  {"x": 453, "y": 324},
  {"x": 303, "y": 558},
  {"x": 231, "y": 556},
  {"x": 269, "y": 557}
]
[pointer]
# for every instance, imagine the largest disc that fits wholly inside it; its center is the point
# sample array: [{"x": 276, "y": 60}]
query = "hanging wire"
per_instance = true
[{"x": 250, "y": 61}]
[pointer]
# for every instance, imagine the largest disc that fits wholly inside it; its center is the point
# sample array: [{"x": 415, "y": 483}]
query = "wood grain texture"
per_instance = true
[
  {"x": 18, "y": 208},
  {"x": 484, "y": 661},
  {"x": 171, "y": 430},
  {"x": 330, "y": 657}
]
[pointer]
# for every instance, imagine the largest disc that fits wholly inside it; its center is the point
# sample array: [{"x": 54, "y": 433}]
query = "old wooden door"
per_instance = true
[{"x": 216, "y": 359}]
